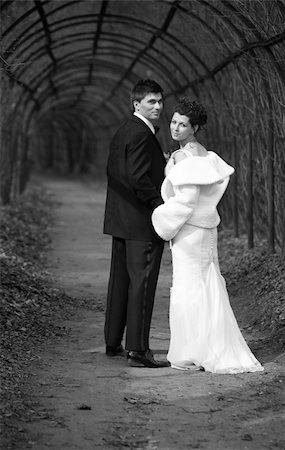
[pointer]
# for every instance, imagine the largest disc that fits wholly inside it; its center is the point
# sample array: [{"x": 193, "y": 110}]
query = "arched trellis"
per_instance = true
[
  {"x": 250, "y": 47},
  {"x": 53, "y": 60},
  {"x": 143, "y": 26},
  {"x": 199, "y": 48}
]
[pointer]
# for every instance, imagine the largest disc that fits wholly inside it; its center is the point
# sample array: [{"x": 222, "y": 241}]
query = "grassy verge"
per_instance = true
[
  {"x": 30, "y": 309},
  {"x": 258, "y": 276}
]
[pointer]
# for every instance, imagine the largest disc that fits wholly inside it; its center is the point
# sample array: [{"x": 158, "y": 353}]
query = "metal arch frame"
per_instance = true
[
  {"x": 39, "y": 99},
  {"x": 34, "y": 9},
  {"x": 97, "y": 35},
  {"x": 75, "y": 75},
  {"x": 160, "y": 67},
  {"x": 21, "y": 18},
  {"x": 177, "y": 6},
  {"x": 87, "y": 118},
  {"x": 155, "y": 50},
  {"x": 66, "y": 5},
  {"x": 168, "y": 43},
  {"x": 27, "y": 101},
  {"x": 102, "y": 103},
  {"x": 148, "y": 62},
  {"x": 206, "y": 3},
  {"x": 162, "y": 36},
  {"x": 40, "y": 30},
  {"x": 41, "y": 12},
  {"x": 159, "y": 32},
  {"x": 48, "y": 38},
  {"x": 209, "y": 76},
  {"x": 112, "y": 110},
  {"x": 101, "y": 64},
  {"x": 26, "y": 123},
  {"x": 83, "y": 119},
  {"x": 212, "y": 32},
  {"x": 63, "y": 107},
  {"x": 192, "y": 15},
  {"x": 64, "y": 19},
  {"x": 229, "y": 59},
  {"x": 56, "y": 102},
  {"x": 69, "y": 99},
  {"x": 168, "y": 38}
]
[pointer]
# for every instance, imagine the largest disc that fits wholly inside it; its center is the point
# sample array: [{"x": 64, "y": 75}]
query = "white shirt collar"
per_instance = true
[{"x": 146, "y": 121}]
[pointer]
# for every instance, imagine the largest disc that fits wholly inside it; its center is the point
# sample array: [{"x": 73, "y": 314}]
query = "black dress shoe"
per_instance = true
[
  {"x": 115, "y": 351},
  {"x": 145, "y": 359}
]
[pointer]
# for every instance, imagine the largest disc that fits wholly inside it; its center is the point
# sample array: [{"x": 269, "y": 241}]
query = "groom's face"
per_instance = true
[{"x": 150, "y": 106}]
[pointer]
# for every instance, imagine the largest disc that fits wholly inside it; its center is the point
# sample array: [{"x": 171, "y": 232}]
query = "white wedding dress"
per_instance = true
[{"x": 203, "y": 330}]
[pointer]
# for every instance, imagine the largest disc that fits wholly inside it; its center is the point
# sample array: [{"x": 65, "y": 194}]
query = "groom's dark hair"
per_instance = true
[{"x": 144, "y": 87}]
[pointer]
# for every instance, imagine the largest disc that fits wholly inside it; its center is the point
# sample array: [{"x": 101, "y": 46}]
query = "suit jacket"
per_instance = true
[{"x": 135, "y": 172}]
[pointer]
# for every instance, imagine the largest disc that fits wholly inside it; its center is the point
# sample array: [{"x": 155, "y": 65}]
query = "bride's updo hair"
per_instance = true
[{"x": 194, "y": 111}]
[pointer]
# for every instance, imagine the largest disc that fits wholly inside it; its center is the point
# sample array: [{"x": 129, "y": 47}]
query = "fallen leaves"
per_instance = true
[{"x": 29, "y": 306}]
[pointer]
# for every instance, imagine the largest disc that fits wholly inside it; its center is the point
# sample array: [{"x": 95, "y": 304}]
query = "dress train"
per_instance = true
[{"x": 204, "y": 330}]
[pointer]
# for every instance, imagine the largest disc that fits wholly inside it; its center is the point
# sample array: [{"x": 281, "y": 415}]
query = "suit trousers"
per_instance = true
[{"x": 131, "y": 290}]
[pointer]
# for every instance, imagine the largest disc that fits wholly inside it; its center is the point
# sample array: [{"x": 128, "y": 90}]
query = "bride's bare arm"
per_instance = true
[{"x": 179, "y": 156}]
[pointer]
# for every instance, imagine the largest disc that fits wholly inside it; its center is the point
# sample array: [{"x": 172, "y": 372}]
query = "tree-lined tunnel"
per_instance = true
[{"x": 68, "y": 67}]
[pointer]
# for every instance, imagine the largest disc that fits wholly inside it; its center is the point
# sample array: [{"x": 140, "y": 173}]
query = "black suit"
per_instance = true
[{"x": 135, "y": 172}]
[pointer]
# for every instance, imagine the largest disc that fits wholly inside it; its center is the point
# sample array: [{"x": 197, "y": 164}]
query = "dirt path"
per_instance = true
[{"x": 85, "y": 400}]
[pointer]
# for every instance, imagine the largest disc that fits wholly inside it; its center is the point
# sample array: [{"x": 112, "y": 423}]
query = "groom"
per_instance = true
[{"x": 135, "y": 172}]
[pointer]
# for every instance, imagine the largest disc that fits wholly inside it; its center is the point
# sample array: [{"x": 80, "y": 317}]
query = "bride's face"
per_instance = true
[{"x": 180, "y": 128}]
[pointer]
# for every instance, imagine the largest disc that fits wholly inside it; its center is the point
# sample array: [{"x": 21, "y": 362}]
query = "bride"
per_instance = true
[{"x": 203, "y": 329}]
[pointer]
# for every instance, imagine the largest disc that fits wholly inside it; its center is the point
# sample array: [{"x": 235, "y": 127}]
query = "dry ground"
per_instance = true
[{"x": 83, "y": 400}]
